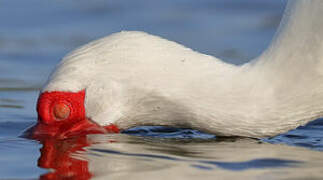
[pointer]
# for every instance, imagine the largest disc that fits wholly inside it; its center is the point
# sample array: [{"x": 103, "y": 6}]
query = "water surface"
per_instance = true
[{"x": 36, "y": 34}]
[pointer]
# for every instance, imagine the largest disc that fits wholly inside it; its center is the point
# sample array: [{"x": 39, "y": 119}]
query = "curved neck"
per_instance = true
[
  {"x": 292, "y": 66},
  {"x": 298, "y": 43}
]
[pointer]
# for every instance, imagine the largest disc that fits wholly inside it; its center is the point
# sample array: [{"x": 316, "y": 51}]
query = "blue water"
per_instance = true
[{"x": 36, "y": 34}]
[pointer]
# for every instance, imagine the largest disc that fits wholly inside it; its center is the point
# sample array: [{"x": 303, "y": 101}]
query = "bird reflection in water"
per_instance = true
[{"x": 58, "y": 156}]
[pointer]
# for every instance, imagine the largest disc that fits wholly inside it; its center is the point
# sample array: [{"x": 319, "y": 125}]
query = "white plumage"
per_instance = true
[{"x": 134, "y": 78}]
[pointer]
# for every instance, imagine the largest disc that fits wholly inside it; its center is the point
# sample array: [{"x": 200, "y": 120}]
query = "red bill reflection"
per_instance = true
[{"x": 57, "y": 155}]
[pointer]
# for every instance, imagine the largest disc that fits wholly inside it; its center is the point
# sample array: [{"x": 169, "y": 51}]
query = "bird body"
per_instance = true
[{"x": 134, "y": 78}]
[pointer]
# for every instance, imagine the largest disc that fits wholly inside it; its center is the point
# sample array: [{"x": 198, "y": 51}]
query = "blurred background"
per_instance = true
[{"x": 36, "y": 34}]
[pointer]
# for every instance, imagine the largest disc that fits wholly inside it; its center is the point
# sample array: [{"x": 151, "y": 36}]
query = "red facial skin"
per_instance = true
[{"x": 62, "y": 115}]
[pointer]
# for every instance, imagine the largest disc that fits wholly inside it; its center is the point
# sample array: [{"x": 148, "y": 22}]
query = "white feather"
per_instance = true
[{"x": 134, "y": 78}]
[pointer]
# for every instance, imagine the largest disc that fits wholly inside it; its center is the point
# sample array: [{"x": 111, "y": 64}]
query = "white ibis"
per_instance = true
[{"x": 130, "y": 79}]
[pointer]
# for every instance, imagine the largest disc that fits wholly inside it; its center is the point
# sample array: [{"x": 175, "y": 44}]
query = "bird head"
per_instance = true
[{"x": 62, "y": 115}]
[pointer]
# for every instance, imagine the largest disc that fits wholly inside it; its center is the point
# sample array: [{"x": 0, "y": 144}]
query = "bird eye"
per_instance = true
[{"x": 61, "y": 111}]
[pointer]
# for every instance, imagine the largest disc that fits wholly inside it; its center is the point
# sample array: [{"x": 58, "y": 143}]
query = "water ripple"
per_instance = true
[{"x": 253, "y": 164}]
